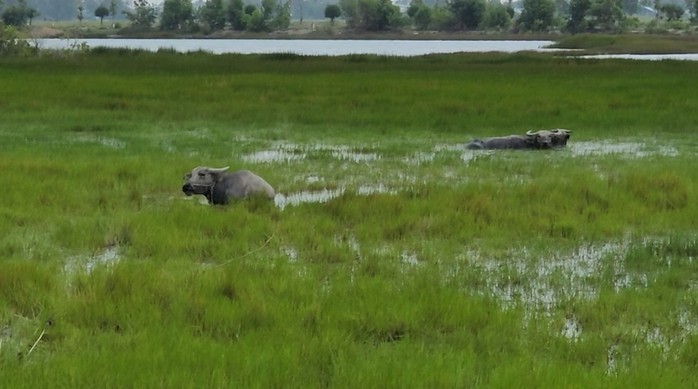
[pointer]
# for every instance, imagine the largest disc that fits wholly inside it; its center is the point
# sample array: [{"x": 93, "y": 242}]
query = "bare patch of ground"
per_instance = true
[{"x": 45, "y": 32}]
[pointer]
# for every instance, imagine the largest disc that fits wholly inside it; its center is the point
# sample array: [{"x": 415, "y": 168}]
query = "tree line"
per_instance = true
[
  {"x": 64, "y": 9},
  {"x": 369, "y": 15}
]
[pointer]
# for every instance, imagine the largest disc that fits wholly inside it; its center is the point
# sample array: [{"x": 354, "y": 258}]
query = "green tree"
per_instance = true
[
  {"x": 280, "y": 16},
  {"x": 467, "y": 13},
  {"x": 144, "y": 14},
  {"x": 11, "y": 43},
  {"x": 443, "y": 19},
  {"x": 414, "y": 7},
  {"x": 14, "y": 15},
  {"x": 18, "y": 14},
  {"x": 422, "y": 18},
  {"x": 578, "y": 21},
  {"x": 101, "y": 12},
  {"x": 606, "y": 15},
  {"x": 62, "y": 9},
  {"x": 213, "y": 14},
  {"x": 497, "y": 16},
  {"x": 537, "y": 15},
  {"x": 630, "y": 7},
  {"x": 236, "y": 15},
  {"x": 268, "y": 7},
  {"x": 672, "y": 11},
  {"x": 176, "y": 14},
  {"x": 256, "y": 22},
  {"x": 350, "y": 10},
  {"x": 420, "y": 14},
  {"x": 692, "y": 6},
  {"x": 376, "y": 15},
  {"x": 81, "y": 14},
  {"x": 31, "y": 14},
  {"x": 371, "y": 15},
  {"x": 333, "y": 11},
  {"x": 112, "y": 9},
  {"x": 270, "y": 16},
  {"x": 250, "y": 9}
]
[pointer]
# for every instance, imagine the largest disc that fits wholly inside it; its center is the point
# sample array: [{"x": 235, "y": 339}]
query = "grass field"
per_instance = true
[{"x": 391, "y": 255}]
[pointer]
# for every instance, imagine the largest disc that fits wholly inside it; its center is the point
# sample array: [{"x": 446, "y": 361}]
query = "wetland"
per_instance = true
[{"x": 391, "y": 256}]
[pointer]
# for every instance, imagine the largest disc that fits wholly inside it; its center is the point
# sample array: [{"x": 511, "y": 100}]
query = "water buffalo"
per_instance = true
[
  {"x": 219, "y": 186},
  {"x": 560, "y": 136},
  {"x": 543, "y": 139},
  {"x": 518, "y": 142}
]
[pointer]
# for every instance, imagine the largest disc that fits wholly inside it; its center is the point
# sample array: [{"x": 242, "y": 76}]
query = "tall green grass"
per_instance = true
[
  {"x": 441, "y": 93},
  {"x": 432, "y": 266}
]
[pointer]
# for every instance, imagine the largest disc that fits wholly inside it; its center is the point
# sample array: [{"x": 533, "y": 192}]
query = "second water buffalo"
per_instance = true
[
  {"x": 219, "y": 186},
  {"x": 533, "y": 140}
]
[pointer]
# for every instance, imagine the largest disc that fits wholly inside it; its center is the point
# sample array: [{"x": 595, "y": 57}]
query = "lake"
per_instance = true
[{"x": 402, "y": 48}]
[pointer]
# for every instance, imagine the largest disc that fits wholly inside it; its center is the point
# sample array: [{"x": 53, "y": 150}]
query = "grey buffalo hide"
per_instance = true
[{"x": 219, "y": 186}]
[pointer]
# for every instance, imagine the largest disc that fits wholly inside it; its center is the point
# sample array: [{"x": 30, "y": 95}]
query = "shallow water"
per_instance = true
[
  {"x": 367, "y": 171},
  {"x": 111, "y": 143},
  {"x": 273, "y": 156},
  {"x": 321, "y": 196},
  {"x": 324, "y": 195},
  {"x": 108, "y": 256},
  {"x": 283, "y": 152},
  {"x": 541, "y": 283},
  {"x": 627, "y": 149}
]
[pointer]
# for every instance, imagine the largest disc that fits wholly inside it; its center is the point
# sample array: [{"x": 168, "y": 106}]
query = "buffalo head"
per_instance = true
[
  {"x": 540, "y": 139},
  {"x": 560, "y": 137},
  {"x": 201, "y": 180},
  {"x": 545, "y": 139}
]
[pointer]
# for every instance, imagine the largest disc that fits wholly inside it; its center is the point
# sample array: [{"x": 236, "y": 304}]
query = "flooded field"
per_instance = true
[
  {"x": 390, "y": 255},
  {"x": 539, "y": 282},
  {"x": 368, "y": 169}
]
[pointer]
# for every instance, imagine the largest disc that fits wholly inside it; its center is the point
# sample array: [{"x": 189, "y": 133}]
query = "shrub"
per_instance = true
[{"x": 12, "y": 44}]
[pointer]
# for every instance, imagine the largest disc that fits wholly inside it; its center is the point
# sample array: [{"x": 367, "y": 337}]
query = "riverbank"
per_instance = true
[
  {"x": 305, "y": 30},
  {"x": 629, "y": 43}
]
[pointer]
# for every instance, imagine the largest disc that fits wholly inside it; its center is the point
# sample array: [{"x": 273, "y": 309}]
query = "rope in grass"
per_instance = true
[
  {"x": 37, "y": 342},
  {"x": 248, "y": 253}
]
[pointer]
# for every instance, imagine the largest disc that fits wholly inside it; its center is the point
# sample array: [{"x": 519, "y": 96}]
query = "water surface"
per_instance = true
[{"x": 332, "y": 47}]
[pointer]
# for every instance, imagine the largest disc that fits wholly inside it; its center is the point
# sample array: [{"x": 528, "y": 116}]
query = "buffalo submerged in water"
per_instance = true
[
  {"x": 219, "y": 186},
  {"x": 533, "y": 140}
]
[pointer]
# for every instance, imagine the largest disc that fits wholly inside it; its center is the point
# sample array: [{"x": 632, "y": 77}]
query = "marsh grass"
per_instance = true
[
  {"x": 637, "y": 44},
  {"x": 425, "y": 265}
]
